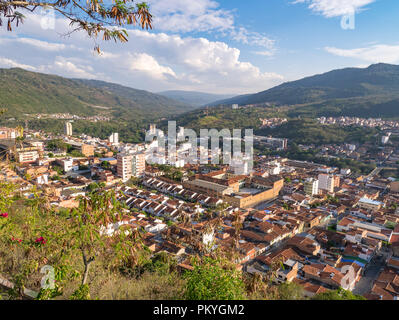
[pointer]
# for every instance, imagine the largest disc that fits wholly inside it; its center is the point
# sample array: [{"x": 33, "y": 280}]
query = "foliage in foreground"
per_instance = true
[
  {"x": 339, "y": 294},
  {"x": 211, "y": 280},
  {"x": 89, "y": 265}
]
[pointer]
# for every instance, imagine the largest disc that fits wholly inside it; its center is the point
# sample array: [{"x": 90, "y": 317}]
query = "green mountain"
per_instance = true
[
  {"x": 194, "y": 98},
  {"x": 372, "y": 91},
  {"x": 25, "y": 92}
]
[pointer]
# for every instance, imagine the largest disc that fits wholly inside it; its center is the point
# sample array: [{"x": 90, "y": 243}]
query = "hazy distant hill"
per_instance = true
[
  {"x": 23, "y": 91},
  {"x": 347, "y": 89},
  {"x": 194, "y": 98}
]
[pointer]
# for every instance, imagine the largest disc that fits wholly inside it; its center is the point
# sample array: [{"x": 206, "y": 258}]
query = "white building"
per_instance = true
[
  {"x": 385, "y": 139},
  {"x": 240, "y": 165},
  {"x": 114, "y": 138},
  {"x": 130, "y": 165},
  {"x": 124, "y": 166},
  {"x": 25, "y": 156},
  {"x": 351, "y": 147},
  {"x": 42, "y": 179},
  {"x": 138, "y": 164},
  {"x": 67, "y": 165},
  {"x": 326, "y": 182},
  {"x": 345, "y": 172},
  {"x": 179, "y": 163},
  {"x": 275, "y": 169},
  {"x": 311, "y": 186},
  {"x": 68, "y": 129}
]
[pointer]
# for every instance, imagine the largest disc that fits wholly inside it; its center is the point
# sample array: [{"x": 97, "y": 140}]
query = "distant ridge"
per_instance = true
[
  {"x": 29, "y": 92},
  {"x": 358, "y": 88},
  {"x": 194, "y": 98}
]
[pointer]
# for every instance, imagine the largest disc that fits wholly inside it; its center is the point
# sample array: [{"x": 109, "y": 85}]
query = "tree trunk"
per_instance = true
[{"x": 87, "y": 263}]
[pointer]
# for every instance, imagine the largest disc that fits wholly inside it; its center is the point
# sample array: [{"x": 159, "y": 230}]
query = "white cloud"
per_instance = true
[
  {"x": 43, "y": 45},
  {"x": 187, "y": 16},
  {"x": 252, "y": 38},
  {"x": 9, "y": 63},
  {"x": 151, "y": 61},
  {"x": 203, "y": 16},
  {"x": 335, "y": 8},
  {"x": 147, "y": 64},
  {"x": 373, "y": 54},
  {"x": 70, "y": 67},
  {"x": 263, "y": 53}
]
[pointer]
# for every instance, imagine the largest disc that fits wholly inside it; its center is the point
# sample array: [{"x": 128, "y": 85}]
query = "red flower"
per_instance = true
[
  {"x": 4, "y": 215},
  {"x": 41, "y": 240},
  {"x": 16, "y": 240}
]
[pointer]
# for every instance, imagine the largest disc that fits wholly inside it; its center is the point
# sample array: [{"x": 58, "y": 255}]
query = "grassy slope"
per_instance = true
[
  {"x": 28, "y": 92},
  {"x": 372, "y": 91}
]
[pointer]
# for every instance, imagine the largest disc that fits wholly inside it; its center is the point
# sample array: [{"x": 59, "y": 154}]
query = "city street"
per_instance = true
[{"x": 370, "y": 275}]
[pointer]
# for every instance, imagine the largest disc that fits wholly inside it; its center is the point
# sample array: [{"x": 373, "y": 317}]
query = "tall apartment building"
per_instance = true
[
  {"x": 114, "y": 138},
  {"x": 138, "y": 164},
  {"x": 68, "y": 128},
  {"x": 311, "y": 186},
  {"x": 124, "y": 166},
  {"x": 130, "y": 165},
  {"x": 328, "y": 182},
  {"x": 153, "y": 128}
]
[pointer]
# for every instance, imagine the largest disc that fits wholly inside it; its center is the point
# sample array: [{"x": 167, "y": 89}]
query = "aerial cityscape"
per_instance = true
[{"x": 186, "y": 171}]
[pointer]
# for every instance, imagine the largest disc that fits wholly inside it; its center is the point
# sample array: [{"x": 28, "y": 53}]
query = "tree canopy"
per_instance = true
[
  {"x": 213, "y": 280},
  {"x": 95, "y": 17},
  {"x": 339, "y": 294}
]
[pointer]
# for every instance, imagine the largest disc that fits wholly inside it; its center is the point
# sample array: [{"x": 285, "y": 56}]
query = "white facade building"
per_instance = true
[
  {"x": 68, "y": 128},
  {"x": 311, "y": 186},
  {"x": 385, "y": 139},
  {"x": 114, "y": 138},
  {"x": 326, "y": 182},
  {"x": 124, "y": 166}
]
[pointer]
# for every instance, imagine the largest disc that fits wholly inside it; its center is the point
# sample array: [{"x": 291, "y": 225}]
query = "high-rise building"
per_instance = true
[
  {"x": 68, "y": 128},
  {"x": 114, "y": 138},
  {"x": 153, "y": 128},
  {"x": 328, "y": 182},
  {"x": 130, "y": 165},
  {"x": 138, "y": 164},
  {"x": 124, "y": 166},
  {"x": 311, "y": 186}
]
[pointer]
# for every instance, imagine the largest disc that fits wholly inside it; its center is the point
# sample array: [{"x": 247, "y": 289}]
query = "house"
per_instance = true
[
  {"x": 288, "y": 272},
  {"x": 305, "y": 245},
  {"x": 393, "y": 262},
  {"x": 328, "y": 275},
  {"x": 310, "y": 289},
  {"x": 386, "y": 287},
  {"x": 263, "y": 263}
]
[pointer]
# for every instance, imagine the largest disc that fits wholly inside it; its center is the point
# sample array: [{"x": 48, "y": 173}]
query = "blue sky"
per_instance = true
[{"x": 220, "y": 46}]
